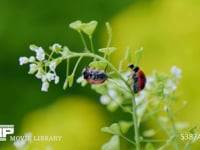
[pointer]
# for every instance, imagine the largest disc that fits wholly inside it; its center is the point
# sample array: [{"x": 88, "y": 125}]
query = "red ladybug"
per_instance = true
[
  {"x": 94, "y": 76},
  {"x": 139, "y": 78}
]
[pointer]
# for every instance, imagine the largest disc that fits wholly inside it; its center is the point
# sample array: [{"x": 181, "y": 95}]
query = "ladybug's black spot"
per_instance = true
[{"x": 102, "y": 76}]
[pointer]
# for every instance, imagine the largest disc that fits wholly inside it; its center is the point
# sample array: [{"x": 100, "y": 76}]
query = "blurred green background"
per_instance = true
[{"x": 168, "y": 30}]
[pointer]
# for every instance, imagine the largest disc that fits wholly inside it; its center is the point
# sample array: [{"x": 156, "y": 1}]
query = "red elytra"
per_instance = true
[
  {"x": 139, "y": 78},
  {"x": 94, "y": 75}
]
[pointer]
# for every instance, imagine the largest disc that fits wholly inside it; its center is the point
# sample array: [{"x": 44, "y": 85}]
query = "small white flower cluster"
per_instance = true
[
  {"x": 116, "y": 92},
  {"x": 168, "y": 84},
  {"x": 171, "y": 83},
  {"x": 44, "y": 68}
]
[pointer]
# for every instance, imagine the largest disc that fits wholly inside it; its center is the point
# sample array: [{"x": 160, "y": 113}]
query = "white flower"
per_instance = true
[
  {"x": 23, "y": 60},
  {"x": 170, "y": 87},
  {"x": 32, "y": 68},
  {"x": 112, "y": 93},
  {"x": 40, "y": 55},
  {"x": 176, "y": 72},
  {"x": 56, "y": 79},
  {"x": 163, "y": 119},
  {"x": 149, "y": 82},
  {"x": 40, "y": 73},
  {"x": 19, "y": 144},
  {"x": 140, "y": 97},
  {"x": 56, "y": 47},
  {"x": 104, "y": 99},
  {"x": 45, "y": 86},
  {"x": 52, "y": 66},
  {"x": 127, "y": 75},
  {"x": 48, "y": 76},
  {"x": 166, "y": 108},
  {"x": 31, "y": 59},
  {"x": 166, "y": 91}
]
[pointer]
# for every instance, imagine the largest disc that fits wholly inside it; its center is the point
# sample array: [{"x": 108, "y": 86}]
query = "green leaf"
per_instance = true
[
  {"x": 113, "y": 144},
  {"x": 100, "y": 88},
  {"x": 112, "y": 106},
  {"x": 65, "y": 52},
  {"x": 33, "y": 47},
  {"x": 181, "y": 125},
  {"x": 98, "y": 64},
  {"x": 113, "y": 129},
  {"x": 89, "y": 28},
  {"x": 107, "y": 50},
  {"x": 149, "y": 133},
  {"x": 149, "y": 146},
  {"x": 125, "y": 126},
  {"x": 68, "y": 81},
  {"x": 138, "y": 55},
  {"x": 76, "y": 25},
  {"x": 65, "y": 84},
  {"x": 193, "y": 130},
  {"x": 109, "y": 29},
  {"x": 56, "y": 48},
  {"x": 128, "y": 55}
]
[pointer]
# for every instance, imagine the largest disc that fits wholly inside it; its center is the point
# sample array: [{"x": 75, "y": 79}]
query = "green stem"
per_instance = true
[
  {"x": 49, "y": 58},
  {"x": 134, "y": 107},
  {"x": 174, "y": 131},
  {"x": 91, "y": 44},
  {"x": 67, "y": 68},
  {"x": 83, "y": 41},
  {"x": 127, "y": 139},
  {"x": 76, "y": 65},
  {"x": 67, "y": 74},
  {"x": 109, "y": 30}
]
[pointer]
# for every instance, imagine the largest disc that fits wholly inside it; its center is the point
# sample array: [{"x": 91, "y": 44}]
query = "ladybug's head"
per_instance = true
[
  {"x": 131, "y": 66},
  {"x": 85, "y": 73}
]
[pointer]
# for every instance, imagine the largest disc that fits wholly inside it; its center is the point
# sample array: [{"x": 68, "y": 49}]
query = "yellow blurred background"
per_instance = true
[{"x": 169, "y": 32}]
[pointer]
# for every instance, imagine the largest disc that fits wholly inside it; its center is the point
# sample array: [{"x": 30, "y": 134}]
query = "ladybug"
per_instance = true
[
  {"x": 94, "y": 75},
  {"x": 139, "y": 78}
]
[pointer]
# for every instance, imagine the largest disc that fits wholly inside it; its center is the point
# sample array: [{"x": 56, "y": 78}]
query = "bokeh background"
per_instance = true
[{"x": 168, "y": 30}]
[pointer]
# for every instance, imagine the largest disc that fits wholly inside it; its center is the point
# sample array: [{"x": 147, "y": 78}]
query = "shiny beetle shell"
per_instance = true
[{"x": 139, "y": 78}]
